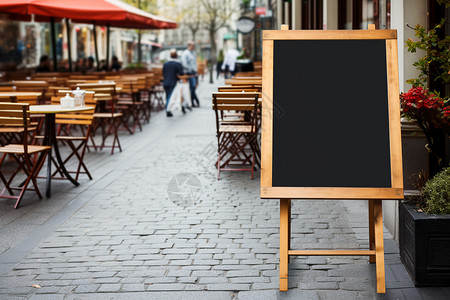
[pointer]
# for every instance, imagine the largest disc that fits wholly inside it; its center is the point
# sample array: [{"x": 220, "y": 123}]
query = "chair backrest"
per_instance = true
[
  {"x": 241, "y": 82},
  {"x": 30, "y": 99},
  {"x": 104, "y": 91},
  {"x": 6, "y": 88},
  {"x": 33, "y": 86},
  {"x": 235, "y": 89},
  {"x": 89, "y": 99},
  {"x": 247, "y": 102},
  {"x": 84, "y": 77},
  {"x": 248, "y": 74},
  {"x": 235, "y": 101},
  {"x": 53, "y": 90},
  {"x": 74, "y": 118},
  {"x": 127, "y": 85},
  {"x": 16, "y": 115}
]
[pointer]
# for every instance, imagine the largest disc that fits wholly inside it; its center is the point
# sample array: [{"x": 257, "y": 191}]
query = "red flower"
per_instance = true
[{"x": 425, "y": 107}]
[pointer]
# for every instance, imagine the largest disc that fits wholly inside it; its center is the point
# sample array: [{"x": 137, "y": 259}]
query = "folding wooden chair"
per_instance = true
[
  {"x": 13, "y": 134},
  {"x": 128, "y": 103},
  {"x": 235, "y": 140},
  {"x": 75, "y": 138},
  {"x": 17, "y": 114},
  {"x": 158, "y": 90},
  {"x": 40, "y": 86},
  {"x": 106, "y": 118}
]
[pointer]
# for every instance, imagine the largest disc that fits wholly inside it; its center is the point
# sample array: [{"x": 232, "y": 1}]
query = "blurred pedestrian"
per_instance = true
[
  {"x": 219, "y": 63},
  {"x": 189, "y": 62},
  {"x": 171, "y": 69},
  {"x": 115, "y": 65},
  {"x": 80, "y": 65},
  {"x": 44, "y": 64},
  {"x": 229, "y": 63},
  {"x": 90, "y": 65}
]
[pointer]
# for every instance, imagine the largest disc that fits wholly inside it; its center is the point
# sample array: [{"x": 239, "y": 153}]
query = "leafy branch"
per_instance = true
[{"x": 435, "y": 65}]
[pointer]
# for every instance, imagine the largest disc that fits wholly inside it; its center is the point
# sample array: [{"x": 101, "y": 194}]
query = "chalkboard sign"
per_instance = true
[{"x": 331, "y": 119}]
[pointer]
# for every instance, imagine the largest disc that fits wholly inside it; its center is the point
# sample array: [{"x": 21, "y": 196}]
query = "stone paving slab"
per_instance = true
[{"x": 155, "y": 223}]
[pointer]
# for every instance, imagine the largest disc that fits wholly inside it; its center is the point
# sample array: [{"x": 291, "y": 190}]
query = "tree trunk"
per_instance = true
[
  {"x": 194, "y": 33},
  {"x": 212, "y": 37}
]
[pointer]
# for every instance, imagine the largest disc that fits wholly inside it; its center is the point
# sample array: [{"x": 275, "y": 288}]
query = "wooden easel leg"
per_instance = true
[
  {"x": 284, "y": 243},
  {"x": 372, "y": 259},
  {"x": 289, "y": 224},
  {"x": 379, "y": 246}
]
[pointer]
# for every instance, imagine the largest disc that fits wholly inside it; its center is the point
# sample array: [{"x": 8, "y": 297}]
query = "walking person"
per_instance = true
[
  {"x": 171, "y": 69},
  {"x": 229, "y": 63},
  {"x": 189, "y": 62}
]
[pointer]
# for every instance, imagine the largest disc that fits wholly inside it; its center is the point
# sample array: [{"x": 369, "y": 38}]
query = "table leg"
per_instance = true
[
  {"x": 58, "y": 156},
  {"x": 50, "y": 139},
  {"x": 284, "y": 243}
]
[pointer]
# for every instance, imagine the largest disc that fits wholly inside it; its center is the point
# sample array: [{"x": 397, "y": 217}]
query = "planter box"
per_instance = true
[{"x": 425, "y": 246}]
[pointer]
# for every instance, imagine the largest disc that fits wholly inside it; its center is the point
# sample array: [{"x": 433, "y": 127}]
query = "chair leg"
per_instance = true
[
  {"x": 218, "y": 167},
  {"x": 31, "y": 176},
  {"x": 5, "y": 182},
  {"x": 253, "y": 164}
]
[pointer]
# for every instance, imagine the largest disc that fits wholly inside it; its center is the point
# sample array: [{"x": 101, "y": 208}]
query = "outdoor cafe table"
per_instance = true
[{"x": 50, "y": 137}]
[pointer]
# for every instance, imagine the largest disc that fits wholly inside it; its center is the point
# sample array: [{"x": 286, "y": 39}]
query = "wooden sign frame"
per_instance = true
[
  {"x": 373, "y": 194},
  {"x": 267, "y": 190}
]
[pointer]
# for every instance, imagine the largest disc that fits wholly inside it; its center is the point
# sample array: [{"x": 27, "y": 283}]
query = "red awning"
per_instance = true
[{"x": 103, "y": 12}]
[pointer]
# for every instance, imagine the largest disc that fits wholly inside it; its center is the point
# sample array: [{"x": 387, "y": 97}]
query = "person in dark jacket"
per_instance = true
[
  {"x": 44, "y": 64},
  {"x": 171, "y": 69}
]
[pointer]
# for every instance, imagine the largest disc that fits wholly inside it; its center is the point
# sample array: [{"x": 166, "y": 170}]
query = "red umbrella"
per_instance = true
[
  {"x": 101, "y": 12},
  {"x": 104, "y": 12}
]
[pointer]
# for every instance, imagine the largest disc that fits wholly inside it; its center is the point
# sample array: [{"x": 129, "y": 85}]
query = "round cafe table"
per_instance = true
[{"x": 50, "y": 138}]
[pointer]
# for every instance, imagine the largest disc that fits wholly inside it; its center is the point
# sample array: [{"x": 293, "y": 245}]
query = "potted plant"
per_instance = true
[
  {"x": 425, "y": 233},
  {"x": 424, "y": 224}
]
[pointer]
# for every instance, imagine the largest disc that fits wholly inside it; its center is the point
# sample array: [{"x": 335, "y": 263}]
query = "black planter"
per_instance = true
[{"x": 425, "y": 246}]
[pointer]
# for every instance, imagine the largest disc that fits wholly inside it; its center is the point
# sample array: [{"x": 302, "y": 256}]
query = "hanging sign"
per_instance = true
[{"x": 245, "y": 25}]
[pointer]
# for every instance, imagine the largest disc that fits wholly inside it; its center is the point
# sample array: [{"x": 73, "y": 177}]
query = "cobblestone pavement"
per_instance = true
[{"x": 155, "y": 223}]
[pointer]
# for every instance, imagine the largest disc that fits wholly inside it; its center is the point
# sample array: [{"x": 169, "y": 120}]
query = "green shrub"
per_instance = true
[{"x": 436, "y": 193}]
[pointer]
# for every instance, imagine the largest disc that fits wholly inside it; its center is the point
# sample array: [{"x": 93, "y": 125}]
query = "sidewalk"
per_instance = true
[{"x": 155, "y": 223}]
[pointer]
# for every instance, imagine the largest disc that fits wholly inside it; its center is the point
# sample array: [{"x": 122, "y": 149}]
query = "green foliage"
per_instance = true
[
  {"x": 446, "y": 2},
  {"x": 149, "y": 6},
  {"x": 435, "y": 65},
  {"x": 135, "y": 66},
  {"x": 436, "y": 194}
]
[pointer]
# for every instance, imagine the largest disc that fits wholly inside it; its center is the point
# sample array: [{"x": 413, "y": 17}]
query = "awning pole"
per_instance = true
[
  {"x": 108, "y": 33},
  {"x": 53, "y": 33},
  {"x": 96, "y": 46},
  {"x": 69, "y": 48}
]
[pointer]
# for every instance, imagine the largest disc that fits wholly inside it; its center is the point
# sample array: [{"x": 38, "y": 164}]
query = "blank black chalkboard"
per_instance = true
[{"x": 332, "y": 129}]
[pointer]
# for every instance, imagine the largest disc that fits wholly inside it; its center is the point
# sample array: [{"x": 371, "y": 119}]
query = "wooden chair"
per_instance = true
[
  {"x": 128, "y": 102},
  {"x": 13, "y": 134},
  {"x": 34, "y": 86},
  {"x": 75, "y": 138},
  {"x": 17, "y": 114},
  {"x": 157, "y": 90},
  {"x": 234, "y": 141},
  {"x": 106, "y": 118}
]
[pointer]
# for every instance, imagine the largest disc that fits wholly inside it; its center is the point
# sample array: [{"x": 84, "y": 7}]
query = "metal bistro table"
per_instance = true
[{"x": 50, "y": 138}]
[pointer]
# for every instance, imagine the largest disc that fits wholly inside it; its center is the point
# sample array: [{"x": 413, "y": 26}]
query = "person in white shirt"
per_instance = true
[
  {"x": 189, "y": 62},
  {"x": 229, "y": 62}
]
